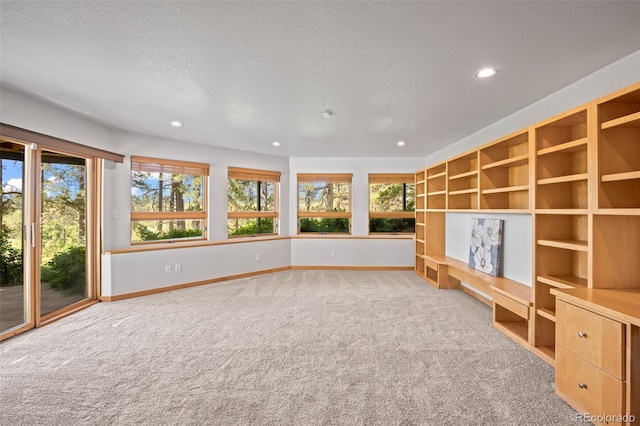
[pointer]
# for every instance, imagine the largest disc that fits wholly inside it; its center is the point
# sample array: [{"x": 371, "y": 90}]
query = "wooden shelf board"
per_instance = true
[
  {"x": 505, "y": 210},
  {"x": 614, "y": 177},
  {"x": 437, "y": 210},
  {"x": 420, "y": 181},
  {"x": 464, "y": 191},
  {"x": 562, "y": 179},
  {"x": 514, "y": 290},
  {"x": 508, "y": 162},
  {"x": 420, "y": 241},
  {"x": 547, "y": 353},
  {"x": 515, "y": 329},
  {"x": 631, "y": 120},
  {"x": 431, "y": 194},
  {"x": 437, "y": 175},
  {"x": 568, "y": 147},
  {"x": 562, "y": 281},
  {"x": 621, "y": 212},
  {"x": 565, "y": 244},
  {"x": 463, "y": 175},
  {"x": 420, "y": 224},
  {"x": 547, "y": 313},
  {"x": 506, "y": 189},
  {"x": 440, "y": 260},
  {"x": 561, "y": 211}
]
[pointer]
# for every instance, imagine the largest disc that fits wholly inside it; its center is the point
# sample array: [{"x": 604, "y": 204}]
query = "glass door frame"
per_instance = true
[
  {"x": 92, "y": 262},
  {"x": 32, "y": 224}
]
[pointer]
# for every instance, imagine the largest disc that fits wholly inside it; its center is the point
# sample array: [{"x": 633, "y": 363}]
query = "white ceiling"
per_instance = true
[{"x": 243, "y": 74}]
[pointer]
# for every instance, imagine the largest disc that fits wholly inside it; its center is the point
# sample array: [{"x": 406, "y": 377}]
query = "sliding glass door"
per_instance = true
[
  {"x": 14, "y": 285},
  {"x": 63, "y": 231},
  {"x": 48, "y": 258}
]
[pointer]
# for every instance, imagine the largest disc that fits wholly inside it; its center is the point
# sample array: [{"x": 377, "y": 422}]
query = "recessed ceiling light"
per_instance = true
[
  {"x": 276, "y": 143},
  {"x": 486, "y": 72},
  {"x": 177, "y": 124},
  {"x": 327, "y": 113},
  {"x": 401, "y": 143}
]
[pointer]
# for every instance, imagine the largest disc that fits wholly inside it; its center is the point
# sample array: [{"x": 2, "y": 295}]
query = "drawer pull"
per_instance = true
[
  {"x": 582, "y": 335},
  {"x": 582, "y": 385}
]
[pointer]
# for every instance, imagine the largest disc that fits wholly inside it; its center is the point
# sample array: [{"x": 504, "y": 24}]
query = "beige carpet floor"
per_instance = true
[{"x": 289, "y": 348}]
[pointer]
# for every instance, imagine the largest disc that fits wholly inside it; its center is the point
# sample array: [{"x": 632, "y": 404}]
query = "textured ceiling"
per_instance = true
[{"x": 243, "y": 74}]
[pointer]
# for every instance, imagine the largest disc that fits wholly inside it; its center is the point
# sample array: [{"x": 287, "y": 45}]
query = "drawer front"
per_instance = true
[
  {"x": 594, "y": 338},
  {"x": 586, "y": 388},
  {"x": 511, "y": 305}
]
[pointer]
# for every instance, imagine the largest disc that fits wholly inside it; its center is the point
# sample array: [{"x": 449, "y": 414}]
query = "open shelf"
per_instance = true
[
  {"x": 614, "y": 177},
  {"x": 549, "y": 314},
  {"x": 616, "y": 250},
  {"x": 565, "y": 148},
  {"x": 463, "y": 201},
  {"x": 504, "y": 173},
  {"x": 545, "y": 335},
  {"x": 431, "y": 194},
  {"x": 508, "y": 162},
  {"x": 518, "y": 330},
  {"x": 562, "y": 162},
  {"x": 562, "y": 179},
  {"x": 563, "y": 281},
  {"x": 505, "y": 189},
  {"x": 437, "y": 201},
  {"x": 547, "y": 351},
  {"x": 464, "y": 175},
  {"x": 437, "y": 170},
  {"x": 464, "y": 191},
  {"x": 565, "y": 244},
  {"x": 631, "y": 120},
  {"x": 563, "y": 196},
  {"x": 619, "y": 151},
  {"x": 570, "y": 265}
]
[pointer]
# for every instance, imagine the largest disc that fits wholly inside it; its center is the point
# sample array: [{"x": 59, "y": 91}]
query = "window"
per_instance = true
[
  {"x": 252, "y": 202},
  {"x": 324, "y": 203},
  {"x": 168, "y": 200},
  {"x": 392, "y": 203}
]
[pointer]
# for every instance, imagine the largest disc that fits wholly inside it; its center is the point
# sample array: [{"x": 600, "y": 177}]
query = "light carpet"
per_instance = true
[{"x": 288, "y": 348}]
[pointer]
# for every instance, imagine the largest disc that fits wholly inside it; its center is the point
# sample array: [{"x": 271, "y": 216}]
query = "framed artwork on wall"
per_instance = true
[{"x": 485, "y": 248}]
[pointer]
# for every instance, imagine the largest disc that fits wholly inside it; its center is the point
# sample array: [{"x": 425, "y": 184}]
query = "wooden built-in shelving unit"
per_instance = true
[{"x": 578, "y": 175}]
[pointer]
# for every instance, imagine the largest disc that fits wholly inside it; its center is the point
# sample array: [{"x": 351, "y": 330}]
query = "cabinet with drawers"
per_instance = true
[{"x": 597, "y": 353}]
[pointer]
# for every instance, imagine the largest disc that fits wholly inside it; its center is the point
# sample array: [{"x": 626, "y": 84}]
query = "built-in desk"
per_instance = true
[{"x": 598, "y": 352}]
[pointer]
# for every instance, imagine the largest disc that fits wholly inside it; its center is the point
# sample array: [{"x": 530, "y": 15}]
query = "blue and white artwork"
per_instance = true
[{"x": 486, "y": 245}]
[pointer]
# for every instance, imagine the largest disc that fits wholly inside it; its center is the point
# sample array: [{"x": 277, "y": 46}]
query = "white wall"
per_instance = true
[
  {"x": 618, "y": 75},
  {"x": 22, "y": 111},
  {"x": 516, "y": 241},
  {"x": 349, "y": 252},
  {"x": 131, "y": 272},
  {"x": 352, "y": 252}
]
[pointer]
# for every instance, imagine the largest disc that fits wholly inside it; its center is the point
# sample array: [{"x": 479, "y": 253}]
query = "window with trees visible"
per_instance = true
[
  {"x": 252, "y": 202},
  {"x": 168, "y": 200},
  {"x": 392, "y": 203},
  {"x": 324, "y": 203}
]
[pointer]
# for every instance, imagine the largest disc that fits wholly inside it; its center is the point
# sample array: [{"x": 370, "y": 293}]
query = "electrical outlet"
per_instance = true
[
  {"x": 167, "y": 269},
  {"x": 258, "y": 257},
  {"x": 333, "y": 253},
  {"x": 177, "y": 267}
]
